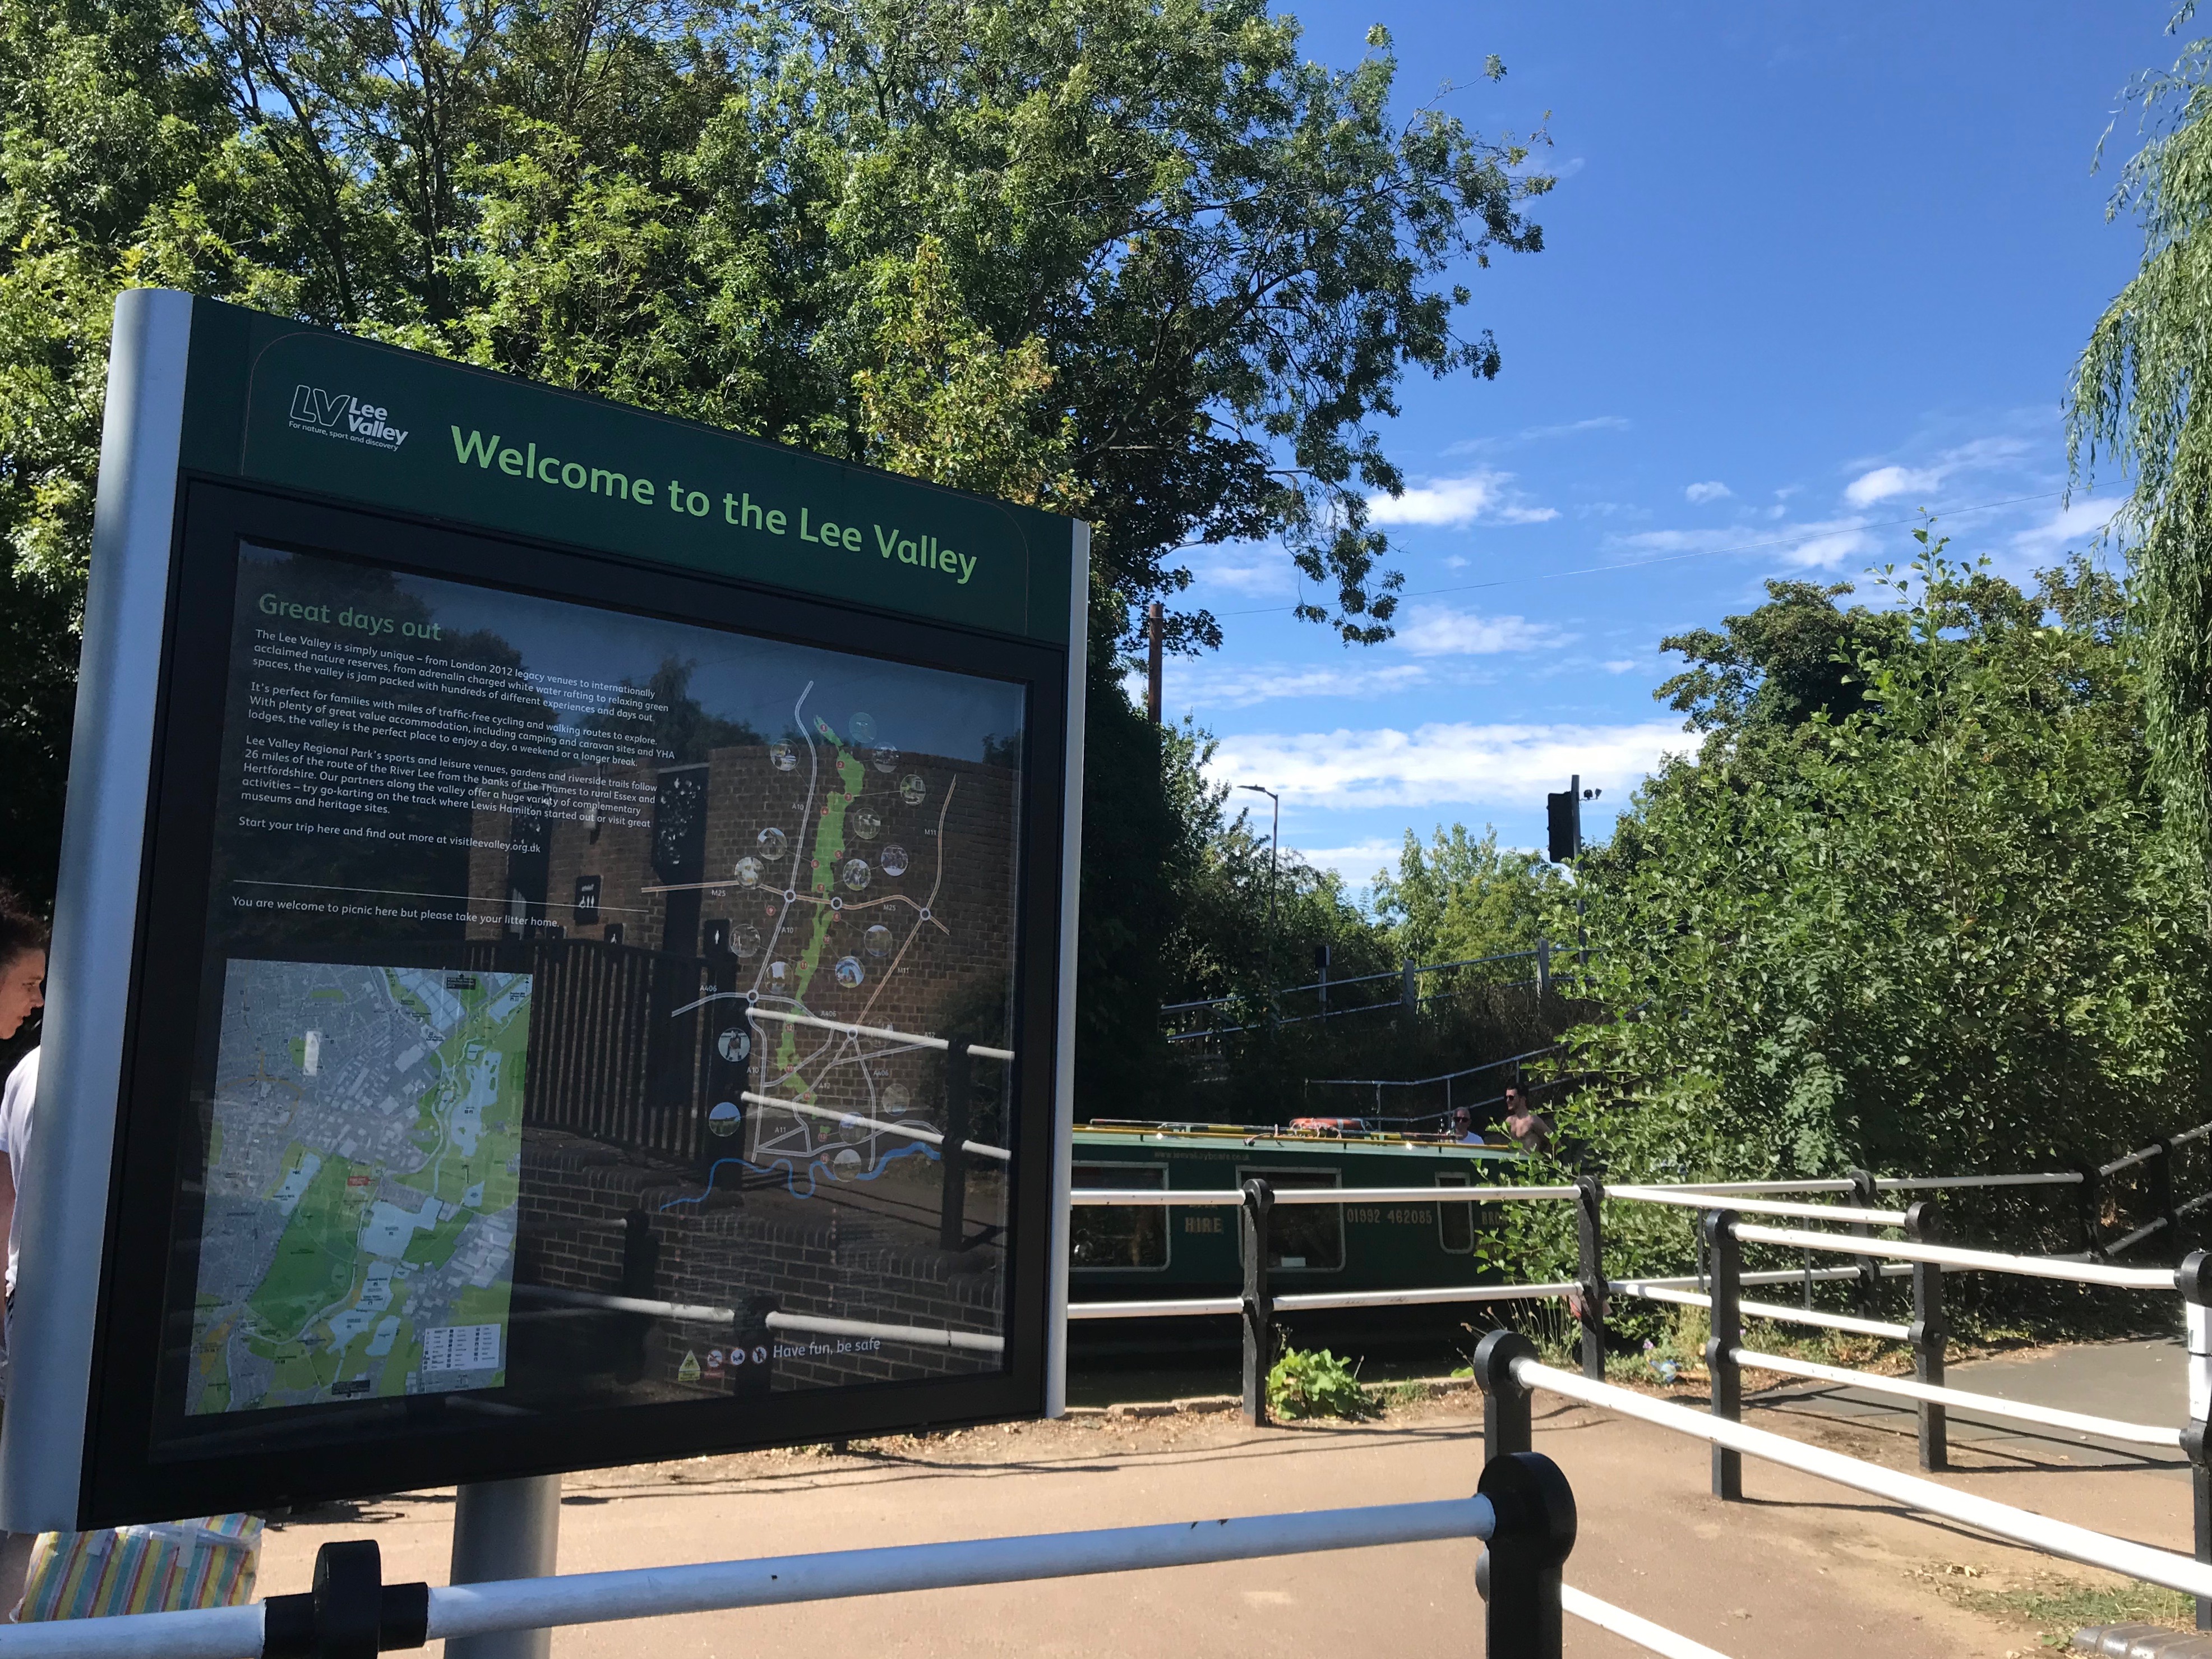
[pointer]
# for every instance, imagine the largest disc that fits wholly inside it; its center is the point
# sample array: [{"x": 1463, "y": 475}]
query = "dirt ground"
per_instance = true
[{"x": 1802, "y": 1567}]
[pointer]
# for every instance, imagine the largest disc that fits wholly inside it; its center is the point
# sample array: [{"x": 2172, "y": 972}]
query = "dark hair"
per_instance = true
[{"x": 20, "y": 930}]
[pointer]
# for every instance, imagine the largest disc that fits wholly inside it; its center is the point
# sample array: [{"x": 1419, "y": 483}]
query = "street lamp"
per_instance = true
[{"x": 1274, "y": 843}]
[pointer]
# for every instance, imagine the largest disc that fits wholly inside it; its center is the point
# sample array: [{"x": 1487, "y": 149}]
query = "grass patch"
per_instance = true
[
  {"x": 2056, "y": 1606},
  {"x": 1389, "y": 1394}
]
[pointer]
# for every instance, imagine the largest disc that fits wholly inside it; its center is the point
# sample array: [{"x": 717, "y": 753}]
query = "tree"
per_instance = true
[
  {"x": 1137, "y": 258},
  {"x": 101, "y": 122},
  {"x": 1462, "y": 898},
  {"x": 1943, "y": 930},
  {"x": 1795, "y": 658},
  {"x": 2137, "y": 400}
]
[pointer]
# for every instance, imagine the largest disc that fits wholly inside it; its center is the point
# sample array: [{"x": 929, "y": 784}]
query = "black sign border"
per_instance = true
[{"x": 123, "y": 1479}]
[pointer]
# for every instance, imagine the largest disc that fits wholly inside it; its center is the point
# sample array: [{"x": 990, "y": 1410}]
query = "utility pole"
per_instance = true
[
  {"x": 1155, "y": 626},
  {"x": 1275, "y": 847}
]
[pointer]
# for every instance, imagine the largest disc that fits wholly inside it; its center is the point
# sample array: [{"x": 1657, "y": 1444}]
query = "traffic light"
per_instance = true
[
  {"x": 1563, "y": 818},
  {"x": 1563, "y": 814}
]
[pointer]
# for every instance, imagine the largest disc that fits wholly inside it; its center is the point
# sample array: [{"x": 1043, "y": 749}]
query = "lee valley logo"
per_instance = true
[{"x": 339, "y": 414}]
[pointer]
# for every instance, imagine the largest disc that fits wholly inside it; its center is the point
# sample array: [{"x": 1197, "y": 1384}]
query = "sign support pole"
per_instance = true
[
  {"x": 1061, "y": 1231},
  {"x": 506, "y": 1529}
]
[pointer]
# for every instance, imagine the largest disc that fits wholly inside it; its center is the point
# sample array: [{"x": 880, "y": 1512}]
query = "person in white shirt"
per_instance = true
[
  {"x": 21, "y": 1089},
  {"x": 22, "y": 994}
]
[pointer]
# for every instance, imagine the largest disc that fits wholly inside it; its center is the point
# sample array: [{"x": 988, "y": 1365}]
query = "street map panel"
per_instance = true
[{"x": 365, "y": 1154}]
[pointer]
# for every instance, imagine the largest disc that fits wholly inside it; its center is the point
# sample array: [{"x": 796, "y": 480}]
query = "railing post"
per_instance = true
[
  {"x": 2195, "y": 1282},
  {"x": 1508, "y": 1419},
  {"x": 2161, "y": 1192},
  {"x": 953, "y": 1217},
  {"x": 506, "y": 1529},
  {"x": 1726, "y": 1376},
  {"x": 1589, "y": 1239},
  {"x": 1409, "y": 992},
  {"x": 1929, "y": 1335},
  {"x": 1520, "y": 1573},
  {"x": 2091, "y": 1196},
  {"x": 1543, "y": 968},
  {"x": 1865, "y": 1195},
  {"x": 640, "y": 1271},
  {"x": 1259, "y": 1305},
  {"x": 752, "y": 1347},
  {"x": 351, "y": 1614}
]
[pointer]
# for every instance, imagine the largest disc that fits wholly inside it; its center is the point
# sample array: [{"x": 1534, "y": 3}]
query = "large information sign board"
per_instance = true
[{"x": 560, "y": 953}]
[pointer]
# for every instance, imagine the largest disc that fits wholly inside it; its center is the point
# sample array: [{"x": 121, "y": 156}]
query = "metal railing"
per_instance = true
[
  {"x": 911, "y": 1131},
  {"x": 765, "y": 1316},
  {"x": 888, "y": 1033},
  {"x": 1259, "y": 1304},
  {"x": 1407, "y": 999},
  {"x": 1523, "y": 1510},
  {"x": 1448, "y": 1079},
  {"x": 1508, "y": 1370},
  {"x": 1728, "y": 1357}
]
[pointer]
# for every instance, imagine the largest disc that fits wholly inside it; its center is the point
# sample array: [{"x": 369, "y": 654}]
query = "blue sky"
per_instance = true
[{"x": 1809, "y": 269}]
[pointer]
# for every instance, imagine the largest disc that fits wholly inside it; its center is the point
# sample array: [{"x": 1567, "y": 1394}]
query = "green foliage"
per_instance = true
[
  {"x": 1198, "y": 887},
  {"x": 1460, "y": 898},
  {"x": 1314, "y": 1382},
  {"x": 1140, "y": 259},
  {"x": 1140, "y": 846},
  {"x": 1943, "y": 929},
  {"x": 1221, "y": 944},
  {"x": 2137, "y": 400},
  {"x": 1795, "y": 658}
]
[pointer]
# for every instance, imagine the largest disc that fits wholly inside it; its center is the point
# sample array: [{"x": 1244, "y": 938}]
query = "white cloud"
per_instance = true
[
  {"x": 1356, "y": 864},
  {"x": 2068, "y": 528},
  {"x": 1442, "y": 764},
  {"x": 1537, "y": 433},
  {"x": 1484, "y": 495},
  {"x": 1712, "y": 490},
  {"x": 1887, "y": 482},
  {"x": 1438, "y": 630},
  {"x": 1824, "y": 544},
  {"x": 1618, "y": 665},
  {"x": 1254, "y": 571},
  {"x": 1214, "y": 684},
  {"x": 1884, "y": 483}
]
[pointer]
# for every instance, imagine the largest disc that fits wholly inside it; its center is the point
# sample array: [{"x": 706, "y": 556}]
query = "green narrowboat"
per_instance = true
[{"x": 1149, "y": 1255}]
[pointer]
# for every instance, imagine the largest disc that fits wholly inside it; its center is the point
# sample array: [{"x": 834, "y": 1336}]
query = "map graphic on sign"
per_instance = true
[{"x": 358, "y": 1235}]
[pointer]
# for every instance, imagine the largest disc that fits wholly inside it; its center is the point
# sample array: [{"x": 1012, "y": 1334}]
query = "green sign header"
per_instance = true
[{"x": 278, "y": 401}]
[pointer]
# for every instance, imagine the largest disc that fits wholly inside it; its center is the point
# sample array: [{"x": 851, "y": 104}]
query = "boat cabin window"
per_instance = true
[
  {"x": 1455, "y": 1222},
  {"x": 1302, "y": 1237},
  {"x": 1102, "y": 1239}
]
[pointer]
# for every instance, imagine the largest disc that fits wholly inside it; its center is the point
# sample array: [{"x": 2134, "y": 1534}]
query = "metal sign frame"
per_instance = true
[{"x": 202, "y": 408}]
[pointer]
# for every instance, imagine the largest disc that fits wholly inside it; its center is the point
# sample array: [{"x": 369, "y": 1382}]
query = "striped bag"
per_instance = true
[{"x": 159, "y": 1567}]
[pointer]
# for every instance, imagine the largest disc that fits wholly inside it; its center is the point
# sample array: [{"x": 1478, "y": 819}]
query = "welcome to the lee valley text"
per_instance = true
[{"x": 917, "y": 549}]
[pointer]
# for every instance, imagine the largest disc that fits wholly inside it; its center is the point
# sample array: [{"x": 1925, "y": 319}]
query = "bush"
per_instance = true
[{"x": 1315, "y": 1383}]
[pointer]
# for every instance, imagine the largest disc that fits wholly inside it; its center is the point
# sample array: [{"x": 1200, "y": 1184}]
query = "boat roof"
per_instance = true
[{"x": 1327, "y": 1141}]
